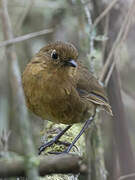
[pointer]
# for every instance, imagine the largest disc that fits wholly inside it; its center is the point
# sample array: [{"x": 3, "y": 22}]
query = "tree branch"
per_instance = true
[
  {"x": 15, "y": 167},
  {"x": 25, "y": 37},
  {"x": 104, "y": 13}
]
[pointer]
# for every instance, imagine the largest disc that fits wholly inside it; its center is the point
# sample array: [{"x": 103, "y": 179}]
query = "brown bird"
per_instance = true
[{"x": 59, "y": 88}]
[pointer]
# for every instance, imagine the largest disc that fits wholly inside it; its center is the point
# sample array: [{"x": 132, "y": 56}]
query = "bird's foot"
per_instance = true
[
  {"x": 44, "y": 146},
  {"x": 54, "y": 140},
  {"x": 66, "y": 144},
  {"x": 66, "y": 150},
  {"x": 48, "y": 144}
]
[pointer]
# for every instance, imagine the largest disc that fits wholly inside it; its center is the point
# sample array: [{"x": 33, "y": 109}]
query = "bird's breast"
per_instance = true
[{"x": 53, "y": 96}]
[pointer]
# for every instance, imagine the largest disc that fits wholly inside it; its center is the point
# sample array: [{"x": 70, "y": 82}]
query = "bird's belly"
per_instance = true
[
  {"x": 60, "y": 111},
  {"x": 60, "y": 107}
]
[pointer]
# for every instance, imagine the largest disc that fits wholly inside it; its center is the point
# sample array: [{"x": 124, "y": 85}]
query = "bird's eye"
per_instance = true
[{"x": 54, "y": 55}]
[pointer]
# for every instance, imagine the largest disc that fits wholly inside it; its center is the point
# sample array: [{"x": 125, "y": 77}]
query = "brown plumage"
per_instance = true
[
  {"x": 59, "y": 88},
  {"x": 59, "y": 92}
]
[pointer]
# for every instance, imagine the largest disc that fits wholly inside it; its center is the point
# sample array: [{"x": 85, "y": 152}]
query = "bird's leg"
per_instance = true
[
  {"x": 54, "y": 140},
  {"x": 87, "y": 123}
]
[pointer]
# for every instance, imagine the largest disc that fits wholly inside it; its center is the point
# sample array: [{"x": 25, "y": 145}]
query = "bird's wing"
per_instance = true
[{"x": 89, "y": 87}]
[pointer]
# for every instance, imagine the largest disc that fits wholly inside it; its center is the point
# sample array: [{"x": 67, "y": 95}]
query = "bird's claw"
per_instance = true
[
  {"x": 48, "y": 144},
  {"x": 67, "y": 144},
  {"x": 44, "y": 146}
]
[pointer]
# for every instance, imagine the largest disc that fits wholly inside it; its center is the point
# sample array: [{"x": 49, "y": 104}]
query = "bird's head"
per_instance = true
[{"x": 60, "y": 54}]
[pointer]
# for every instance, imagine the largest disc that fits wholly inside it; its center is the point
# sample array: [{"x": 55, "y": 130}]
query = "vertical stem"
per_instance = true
[
  {"x": 91, "y": 35},
  {"x": 119, "y": 123},
  {"x": 100, "y": 170},
  {"x": 95, "y": 160},
  {"x": 18, "y": 96}
]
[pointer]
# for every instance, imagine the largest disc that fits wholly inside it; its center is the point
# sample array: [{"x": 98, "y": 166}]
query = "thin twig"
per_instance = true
[
  {"x": 18, "y": 96},
  {"x": 131, "y": 9},
  {"x": 127, "y": 176},
  {"x": 104, "y": 13},
  {"x": 115, "y": 46},
  {"x": 25, "y": 37},
  {"x": 128, "y": 24},
  {"x": 109, "y": 74}
]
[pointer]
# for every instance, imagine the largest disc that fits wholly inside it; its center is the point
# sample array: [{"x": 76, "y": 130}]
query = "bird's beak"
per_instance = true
[{"x": 71, "y": 63}]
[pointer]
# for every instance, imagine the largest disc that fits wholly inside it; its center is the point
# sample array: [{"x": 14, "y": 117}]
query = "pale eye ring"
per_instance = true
[{"x": 54, "y": 54}]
